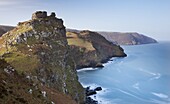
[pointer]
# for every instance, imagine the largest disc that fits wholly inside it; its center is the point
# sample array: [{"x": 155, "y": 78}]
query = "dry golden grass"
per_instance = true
[
  {"x": 22, "y": 62},
  {"x": 73, "y": 39}
]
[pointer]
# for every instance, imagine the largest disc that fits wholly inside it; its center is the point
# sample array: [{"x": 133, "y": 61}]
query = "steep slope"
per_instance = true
[
  {"x": 4, "y": 29},
  {"x": 17, "y": 89},
  {"x": 129, "y": 38},
  {"x": 90, "y": 49},
  {"x": 38, "y": 49}
]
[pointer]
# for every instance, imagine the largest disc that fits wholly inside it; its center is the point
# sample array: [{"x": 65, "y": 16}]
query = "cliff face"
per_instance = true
[
  {"x": 38, "y": 49},
  {"x": 90, "y": 49},
  {"x": 16, "y": 88},
  {"x": 130, "y": 38}
]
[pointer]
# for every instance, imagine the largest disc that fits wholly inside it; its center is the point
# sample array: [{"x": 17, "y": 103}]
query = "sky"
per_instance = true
[{"x": 148, "y": 17}]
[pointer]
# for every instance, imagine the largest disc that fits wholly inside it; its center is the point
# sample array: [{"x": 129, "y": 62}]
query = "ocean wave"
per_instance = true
[
  {"x": 98, "y": 97},
  {"x": 112, "y": 60},
  {"x": 157, "y": 76},
  {"x": 86, "y": 69},
  {"x": 90, "y": 68},
  {"x": 160, "y": 95},
  {"x": 147, "y": 72},
  {"x": 132, "y": 95},
  {"x": 136, "y": 86},
  {"x": 154, "y": 75}
]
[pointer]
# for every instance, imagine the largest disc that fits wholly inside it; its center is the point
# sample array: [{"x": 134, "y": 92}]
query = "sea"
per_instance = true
[{"x": 143, "y": 77}]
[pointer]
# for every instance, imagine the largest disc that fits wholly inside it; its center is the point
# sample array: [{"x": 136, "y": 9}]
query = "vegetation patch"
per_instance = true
[
  {"x": 22, "y": 62},
  {"x": 73, "y": 39}
]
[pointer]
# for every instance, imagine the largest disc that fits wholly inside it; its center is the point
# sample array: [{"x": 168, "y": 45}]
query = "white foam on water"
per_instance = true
[
  {"x": 86, "y": 69},
  {"x": 90, "y": 68},
  {"x": 157, "y": 76},
  {"x": 110, "y": 61},
  {"x": 98, "y": 97},
  {"x": 129, "y": 94},
  {"x": 147, "y": 72},
  {"x": 154, "y": 75},
  {"x": 160, "y": 95},
  {"x": 136, "y": 86}
]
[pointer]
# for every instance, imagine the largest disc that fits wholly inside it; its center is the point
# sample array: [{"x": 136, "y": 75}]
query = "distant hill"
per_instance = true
[
  {"x": 127, "y": 38},
  {"x": 4, "y": 29}
]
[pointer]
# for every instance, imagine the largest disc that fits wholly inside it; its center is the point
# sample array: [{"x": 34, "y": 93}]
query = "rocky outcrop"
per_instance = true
[
  {"x": 38, "y": 49},
  {"x": 90, "y": 49},
  {"x": 129, "y": 38},
  {"x": 39, "y": 15},
  {"x": 42, "y": 14}
]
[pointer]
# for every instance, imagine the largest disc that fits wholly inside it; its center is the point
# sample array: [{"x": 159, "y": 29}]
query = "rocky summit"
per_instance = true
[{"x": 37, "y": 53}]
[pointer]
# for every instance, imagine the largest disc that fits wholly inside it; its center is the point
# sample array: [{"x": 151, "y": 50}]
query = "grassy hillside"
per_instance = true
[{"x": 90, "y": 49}]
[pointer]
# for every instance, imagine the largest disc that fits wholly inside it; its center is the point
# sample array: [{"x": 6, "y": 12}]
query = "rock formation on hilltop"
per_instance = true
[
  {"x": 128, "y": 38},
  {"x": 38, "y": 50},
  {"x": 90, "y": 49}
]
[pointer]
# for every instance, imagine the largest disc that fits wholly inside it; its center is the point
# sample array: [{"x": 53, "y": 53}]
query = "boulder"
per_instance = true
[
  {"x": 90, "y": 92},
  {"x": 98, "y": 89}
]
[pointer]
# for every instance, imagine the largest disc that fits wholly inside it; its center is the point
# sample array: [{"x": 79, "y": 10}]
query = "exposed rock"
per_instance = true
[
  {"x": 90, "y": 92},
  {"x": 98, "y": 89},
  {"x": 52, "y": 14},
  {"x": 38, "y": 48},
  {"x": 99, "y": 65},
  {"x": 90, "y": 101},
  {"x": 39, "y": 14},
  {"x": 16, "y": 89}
]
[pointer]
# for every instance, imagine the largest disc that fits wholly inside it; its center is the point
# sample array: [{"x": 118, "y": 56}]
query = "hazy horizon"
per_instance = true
[{"x": 148, "y": 17}]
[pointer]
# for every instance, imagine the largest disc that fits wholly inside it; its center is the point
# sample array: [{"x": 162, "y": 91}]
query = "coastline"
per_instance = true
[
  {"x": 102, "y": 63},
  {"x": 129, "y": 78},
  {"x": 97, "y": 97}
]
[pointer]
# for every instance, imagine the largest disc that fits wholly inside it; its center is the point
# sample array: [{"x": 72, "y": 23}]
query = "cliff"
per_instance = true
[
  {"x": 129, "y": 38},
  {"x": 38, "y": 51},
  {"x": 90, "y": 49},
  {"x": 16, "y": 88}
]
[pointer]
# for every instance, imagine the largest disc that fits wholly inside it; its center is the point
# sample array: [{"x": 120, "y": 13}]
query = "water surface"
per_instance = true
[{"x": 143, "y": 77}]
